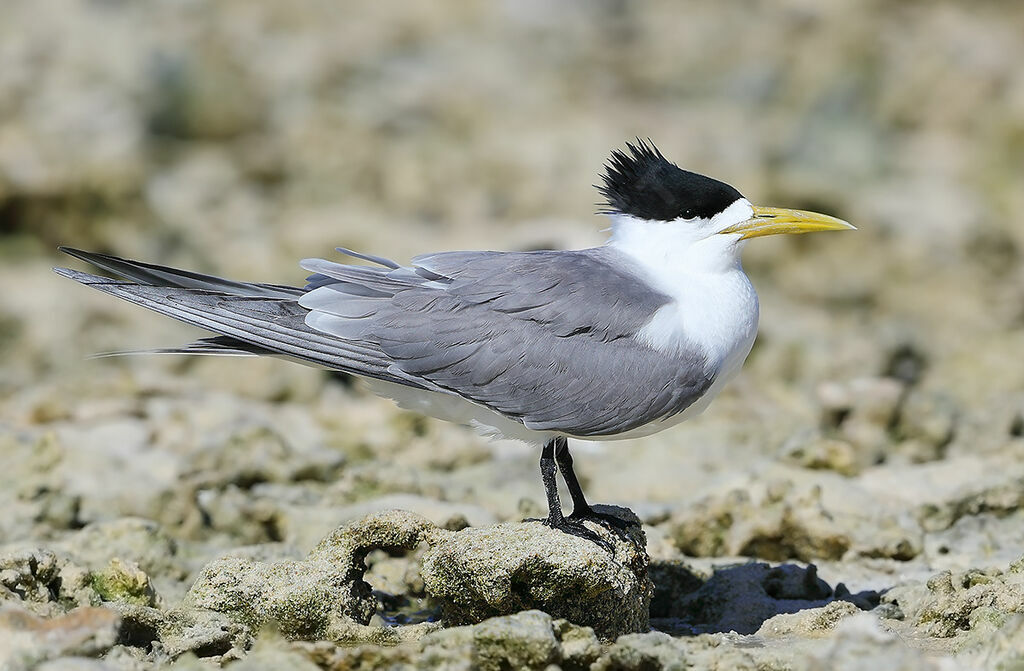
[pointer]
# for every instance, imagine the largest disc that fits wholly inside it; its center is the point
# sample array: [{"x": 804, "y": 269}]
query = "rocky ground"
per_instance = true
[{"x": 855, "y": 500}]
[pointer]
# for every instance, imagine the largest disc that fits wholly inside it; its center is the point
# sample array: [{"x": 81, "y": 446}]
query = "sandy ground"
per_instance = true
[{"x": 877, "y": 430}]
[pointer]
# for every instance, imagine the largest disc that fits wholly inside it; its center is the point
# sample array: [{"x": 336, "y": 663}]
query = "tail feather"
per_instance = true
[
  {"x": 217, "y": 345},
  {"x": 247, "y": 323},
  {"x": 163, "y": 276}
]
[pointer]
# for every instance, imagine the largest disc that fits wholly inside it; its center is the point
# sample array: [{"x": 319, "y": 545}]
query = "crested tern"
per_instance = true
[{"x": 611, "y": 342}]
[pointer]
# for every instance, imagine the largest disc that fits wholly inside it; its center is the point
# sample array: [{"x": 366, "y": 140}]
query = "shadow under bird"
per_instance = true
[{"x": 617, "y": 341}]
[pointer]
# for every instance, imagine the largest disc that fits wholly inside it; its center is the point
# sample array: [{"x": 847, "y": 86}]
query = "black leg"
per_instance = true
[
  {"x": 547, "y": 473},
  {"x": 555, "y": 451},
  {"x": 581, "y": 510},
  {"x": 580, "y": 507}
]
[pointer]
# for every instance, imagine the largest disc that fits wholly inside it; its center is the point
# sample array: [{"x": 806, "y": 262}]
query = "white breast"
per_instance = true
[{"x": 714, "y": 306}]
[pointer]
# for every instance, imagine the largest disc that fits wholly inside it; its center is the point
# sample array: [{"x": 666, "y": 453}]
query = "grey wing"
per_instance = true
[{"x": 548, "y": 338}]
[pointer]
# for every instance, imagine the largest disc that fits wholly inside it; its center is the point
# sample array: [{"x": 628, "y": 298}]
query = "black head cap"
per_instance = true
[{"x": 647, "y": 185}]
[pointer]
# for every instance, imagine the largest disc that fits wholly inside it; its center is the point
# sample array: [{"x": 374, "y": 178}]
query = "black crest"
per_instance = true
[{"x": 646, "y": 185}]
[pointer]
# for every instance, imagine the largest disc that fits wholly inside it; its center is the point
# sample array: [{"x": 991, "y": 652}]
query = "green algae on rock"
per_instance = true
[{"x": 124, "y": 581}]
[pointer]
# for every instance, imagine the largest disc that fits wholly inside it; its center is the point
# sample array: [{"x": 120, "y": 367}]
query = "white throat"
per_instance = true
[{"x": 714, "y": 307}]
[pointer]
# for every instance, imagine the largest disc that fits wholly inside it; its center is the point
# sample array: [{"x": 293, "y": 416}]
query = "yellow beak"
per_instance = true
[{"x": 775, "y": 220}]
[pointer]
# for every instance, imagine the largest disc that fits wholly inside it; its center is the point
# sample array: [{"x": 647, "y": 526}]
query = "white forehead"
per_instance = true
[{"x": 741, "y": 210}]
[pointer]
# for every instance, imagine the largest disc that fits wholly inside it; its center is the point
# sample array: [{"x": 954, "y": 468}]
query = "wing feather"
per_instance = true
[{"x": 547, "y": 338}]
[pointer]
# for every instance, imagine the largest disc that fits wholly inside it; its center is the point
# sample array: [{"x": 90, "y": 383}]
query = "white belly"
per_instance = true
[{"x": 452, "y": 408}]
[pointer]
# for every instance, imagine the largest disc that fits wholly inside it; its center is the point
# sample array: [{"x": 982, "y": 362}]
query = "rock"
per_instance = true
[
  {"x": 861, "y": 644},
  {"x": 182, "y": 630},
  {"x": 249, "y": 520},
  {"x": 124, "y": 581},
  {"x": 950, "y": 604},
  {"x": 526, "y": 640},
  {"x": 306, "y": 525},
  {"x": 780, "y": 521},
  {"x": 268, "y": 654},
  {"x": 45, "y": 582},
  {"x": 862, "y": 411},
  {"x": 205, "y": 633},
  {"x": 31, "y": 575},
  {"x": 256, "y": 454},
  {"x": 744, "y": 598},
  {"x": 813, "y": 622},
  {"x": 26, "y": 639},
  {"x": 130, "y": 539},
  {"x": 818, "y": 452},
  {"x": 867, "y": 421},
  {"x": 637, "y": 652},
  {"x": 1002, "y": 650},
  {"x": 927, "y": 423},
  {"x": 305, "y": 598},
  {"x": 673, "y": 580},
  {"x": 1000, "y": 493},
  {"x": 75, "y": 664},
  {"x": 49, "y": 583},
  {"x": 997, "y": 539},
  {"x": 201, "y": 96},
  {"x": 602, "y": 583},
  {"x": 580, "y": 647},
  {"x": 438, "y": 512}
]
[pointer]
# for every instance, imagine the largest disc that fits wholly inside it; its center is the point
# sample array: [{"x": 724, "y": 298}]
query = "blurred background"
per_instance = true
[{"x": 236, "y": 137}]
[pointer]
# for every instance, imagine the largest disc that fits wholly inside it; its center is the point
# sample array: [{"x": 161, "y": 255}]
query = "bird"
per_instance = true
[{"x": 616, "y": 341}]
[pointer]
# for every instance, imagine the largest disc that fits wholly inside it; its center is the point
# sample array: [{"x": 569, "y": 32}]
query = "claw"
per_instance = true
[
  {"x": 604, "y": 519},
  {"x": 575, "y": 527}
]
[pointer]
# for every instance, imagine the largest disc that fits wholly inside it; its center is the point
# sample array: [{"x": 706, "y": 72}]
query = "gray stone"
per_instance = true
[
  {"x": 478, "y": 573},
  {"x": 268, "y": 654},
  {"x": 927, "y": 423},
  {"x": 745, "y": 597},
  {"x": 45, "y": 582}
]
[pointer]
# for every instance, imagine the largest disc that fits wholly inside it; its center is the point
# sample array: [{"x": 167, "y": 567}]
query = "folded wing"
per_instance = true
[{"x": 547, "y": 338}]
